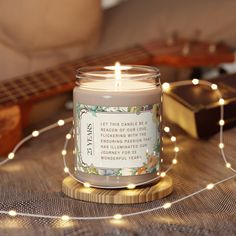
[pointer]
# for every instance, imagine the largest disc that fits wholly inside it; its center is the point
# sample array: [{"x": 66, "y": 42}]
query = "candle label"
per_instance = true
[{"x": 118, "y": 141}]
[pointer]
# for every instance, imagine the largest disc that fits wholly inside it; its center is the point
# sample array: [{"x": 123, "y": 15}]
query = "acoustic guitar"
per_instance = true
[{"x": 18, "y": 95}]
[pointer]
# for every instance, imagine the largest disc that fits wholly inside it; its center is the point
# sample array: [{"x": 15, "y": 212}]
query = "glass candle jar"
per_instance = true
[{"x": 117, "y": 118}]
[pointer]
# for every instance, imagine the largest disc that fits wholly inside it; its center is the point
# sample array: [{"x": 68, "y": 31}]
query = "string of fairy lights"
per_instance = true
[{"x": 166, "y": 87}]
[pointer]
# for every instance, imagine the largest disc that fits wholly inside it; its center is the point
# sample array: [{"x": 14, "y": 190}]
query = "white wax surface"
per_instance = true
[{"x": 126, "y": 92}]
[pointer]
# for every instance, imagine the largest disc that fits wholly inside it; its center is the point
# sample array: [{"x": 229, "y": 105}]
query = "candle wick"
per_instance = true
[{"x": 117, "y": 71}]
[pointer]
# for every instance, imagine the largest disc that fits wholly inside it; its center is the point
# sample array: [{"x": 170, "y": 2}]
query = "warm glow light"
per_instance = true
[
  {"x": 122, "y": 67},
  {"x": 173, "y": 138},
  {"x": 166, "y": 87},
  {"x": 163, "y": 174},
  {"x": 12, "y": 213},
  {"x": 11, "y": 155},
  {"x": 167, "y": 129},
  {"x": 221, "y": 122},
  {"x": 228, "y": 165},
  {"x": 176, "y": 149},
  {"x": 221, "y": 145},
  {"x": 117, "y": 216},
  {"x": 210, "y": 186},
  {"x": 63, "y": 152},
  {"x": 131, "y": 186},
  {"x": 117, "y": 71},
  {"x": 65, "y": 217},
  {"x": 61, "y": 122},
  {"x": 221, "y": 101},
  {"x": 174, "y": 161},
  {"x": 87, "y": 185},
  {"x": 195, "y": 81},
  {"x": 214, "y": 87},
  {"x": 35, "y": 133},
  {"x": 167, "y": 205}
]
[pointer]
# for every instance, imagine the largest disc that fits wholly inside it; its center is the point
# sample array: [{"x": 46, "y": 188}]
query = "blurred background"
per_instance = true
[{"x": 39, "y": 34}]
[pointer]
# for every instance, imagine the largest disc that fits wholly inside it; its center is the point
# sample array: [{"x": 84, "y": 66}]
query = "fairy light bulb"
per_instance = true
[
  {"x": 12, "y": 213},
  {"x": 195, "y": 81},
  {"x": 221, "y": 122},
  {"x": 65, "y": 217},
  {"x": 221, "y": 101},
  {"x": 165, "y": 87},
  {"x": 214, "y": 87},
  {"x": 35, "y": 133},
  {"x": 68, "y": 136},
  {"x": 87, "y": 185},
  {"x": 63, "y": 152},
  {"x": 117, "y": 216},
  {"x": 167, "y": 205},
  {"x": 210, "y": 186},
  {"x": 228, "y": 165},
  {"x": 61, "y": 122},
  {"x": 174, "y": 161},
  {"x": 221, "y": 145},
  {"x": 167, "y": 129},
  {"x": 66, "y": 169},
  {"x": 11, "y": 155},
  {"x": 131, "y": 186},
  {"x": 176, "y": 149},
  {"x": 163, "y": 174},
  {"x": 173, "y": 138}
]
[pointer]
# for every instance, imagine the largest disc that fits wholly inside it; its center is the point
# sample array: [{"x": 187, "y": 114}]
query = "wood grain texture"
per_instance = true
[
  {"x": 10, "y": 128},
  {"x": 76, "y": 190}
]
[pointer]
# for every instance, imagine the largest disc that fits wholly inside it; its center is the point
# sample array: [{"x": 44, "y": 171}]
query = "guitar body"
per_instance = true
[
  {"x": 19, "y": 95},
  {"x": 10, "y": 128}
]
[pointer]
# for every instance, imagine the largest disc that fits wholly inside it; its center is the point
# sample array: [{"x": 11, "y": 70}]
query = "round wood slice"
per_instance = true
[{"x": 76, "y": 190}]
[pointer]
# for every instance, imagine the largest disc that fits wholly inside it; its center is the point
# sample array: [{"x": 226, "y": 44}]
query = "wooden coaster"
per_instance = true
[{"x": 76, "y": 190}]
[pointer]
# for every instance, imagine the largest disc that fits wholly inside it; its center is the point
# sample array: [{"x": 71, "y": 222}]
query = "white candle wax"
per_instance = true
[{"x": 125, "y": 93}]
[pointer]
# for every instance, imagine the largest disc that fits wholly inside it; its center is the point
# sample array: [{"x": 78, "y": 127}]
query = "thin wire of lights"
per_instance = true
[{"x": 166, "y": 87}]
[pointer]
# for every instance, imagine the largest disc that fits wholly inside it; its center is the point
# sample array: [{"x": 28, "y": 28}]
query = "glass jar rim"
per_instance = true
[{"x": 135, "y": 72}]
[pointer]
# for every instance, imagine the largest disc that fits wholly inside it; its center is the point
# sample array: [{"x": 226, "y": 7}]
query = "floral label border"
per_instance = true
[{"x": 152, "y": 157}]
